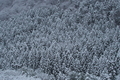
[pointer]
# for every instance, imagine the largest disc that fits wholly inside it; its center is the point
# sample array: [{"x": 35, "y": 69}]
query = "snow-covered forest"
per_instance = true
[{"x": 60, "y": 39}]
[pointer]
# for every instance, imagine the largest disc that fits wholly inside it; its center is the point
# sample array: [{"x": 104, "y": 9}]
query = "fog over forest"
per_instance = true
[{"x": 59, "y": 39}]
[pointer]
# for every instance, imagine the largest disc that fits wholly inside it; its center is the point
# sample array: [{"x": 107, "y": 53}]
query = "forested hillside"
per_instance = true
[{"x": 69, "y": 39}]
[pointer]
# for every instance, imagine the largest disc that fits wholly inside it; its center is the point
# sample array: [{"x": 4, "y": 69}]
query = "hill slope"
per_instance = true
[{"x": 60, "y": 37}]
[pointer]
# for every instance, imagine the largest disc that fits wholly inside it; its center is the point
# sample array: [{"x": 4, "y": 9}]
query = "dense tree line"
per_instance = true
[{"x": 83, "y": 37}]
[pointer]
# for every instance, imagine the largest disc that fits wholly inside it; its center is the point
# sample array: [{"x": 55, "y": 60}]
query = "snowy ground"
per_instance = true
[{"x": 14, "y": 75}]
